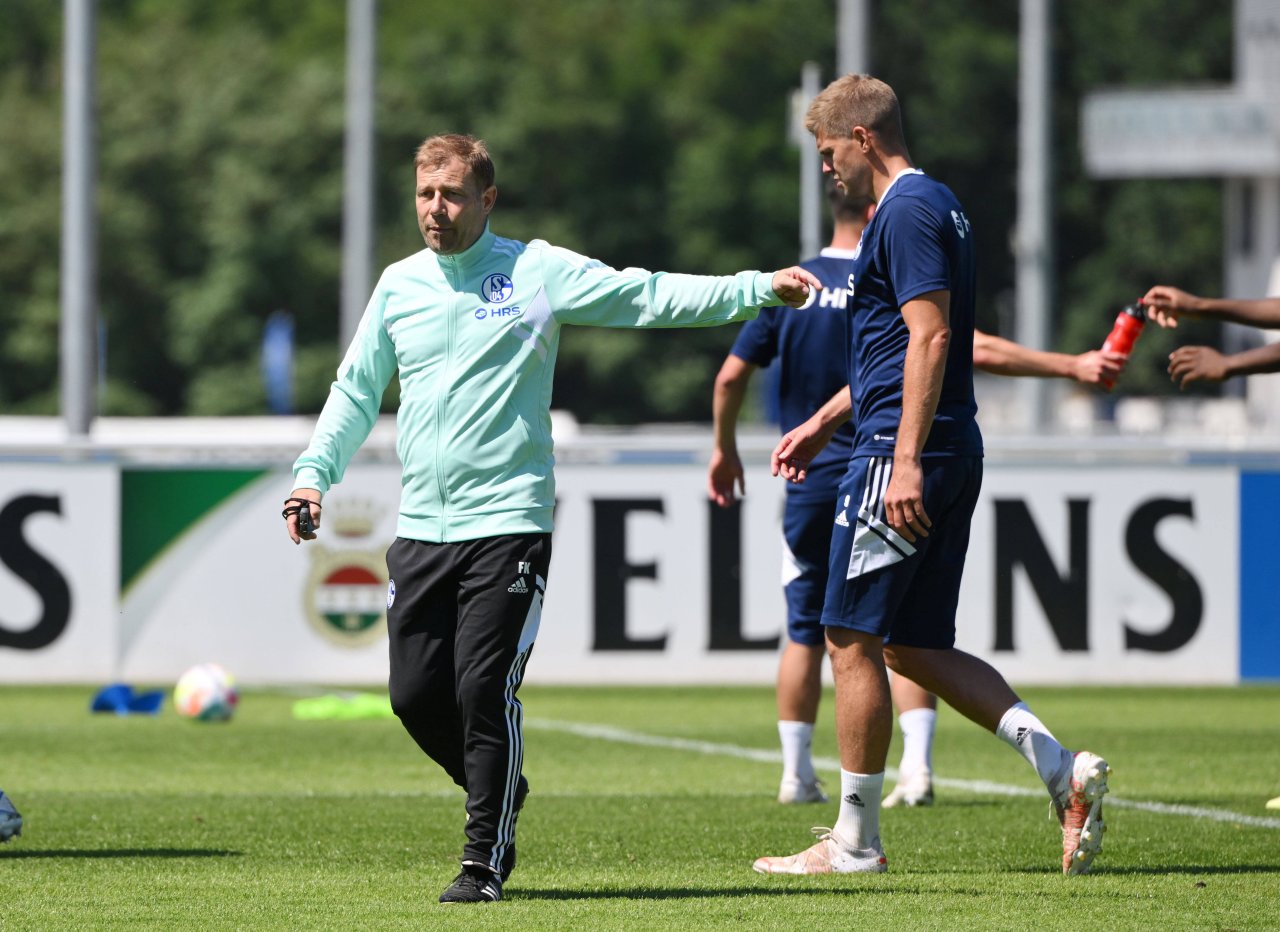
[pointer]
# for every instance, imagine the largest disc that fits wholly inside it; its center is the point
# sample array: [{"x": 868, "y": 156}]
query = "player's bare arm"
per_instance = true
[
  {"x": 1165, "y": 304},
  {"x": 295, "y": 523},
  {"x": 792, "y": 285},
  {"x": 797, "y": 448},
  {"x": 927, "y": 320},
  {"x": 1189, "y": 364},
  {"x": 1004, "y": 357},
  {"x": 725, "y": 472}
]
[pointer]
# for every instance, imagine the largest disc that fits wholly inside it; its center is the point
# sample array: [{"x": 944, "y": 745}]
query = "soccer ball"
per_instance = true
[{"x": 206, "y": 693}]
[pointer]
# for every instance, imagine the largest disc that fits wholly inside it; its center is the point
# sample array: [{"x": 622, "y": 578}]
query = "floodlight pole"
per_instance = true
[
  {"x": 853, "y": 31},
  {"x": 853, "y": 23},
  {"x": 810, "y": 166},
  {"x": 358, "y": 156},
  {"x": 78, "y": 275},
  {"x": 1033, "y": 243}
]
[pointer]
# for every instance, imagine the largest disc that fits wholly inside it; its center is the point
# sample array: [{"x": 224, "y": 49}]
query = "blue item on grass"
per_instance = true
[{"x": 122, "y": 700}]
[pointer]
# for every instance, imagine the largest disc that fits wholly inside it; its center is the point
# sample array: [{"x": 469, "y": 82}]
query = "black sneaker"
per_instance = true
[
  {"x": 509, "y": 859},
  {"x": 473, "y": 885}
]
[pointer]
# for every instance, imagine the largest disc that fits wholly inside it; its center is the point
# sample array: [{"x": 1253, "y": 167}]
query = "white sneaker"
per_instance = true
[
  {"x": 829, "y": 856},
  {"x": 10, "y": 821},
  {"x": 794, "y": 790},
  {"x": 915, "y": 790},
  {"x": 1079, "y": 806}
]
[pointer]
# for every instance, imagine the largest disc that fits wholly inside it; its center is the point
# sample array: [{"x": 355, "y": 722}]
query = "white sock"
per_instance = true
[
  {"x": 859, "y": 821},
  {"x": 797, "y": 751},
  {"x": 1027, "y": 735},
  {"x": 917, "y": 741}
]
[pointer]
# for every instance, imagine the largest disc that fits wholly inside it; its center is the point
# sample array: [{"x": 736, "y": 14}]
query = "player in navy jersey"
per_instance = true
[
  {"x": 905, "y": 505},
  {"x": 807, "y": 352}
]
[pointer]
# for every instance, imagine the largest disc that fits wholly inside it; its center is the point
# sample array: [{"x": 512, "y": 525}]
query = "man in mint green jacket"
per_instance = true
[{"x": 472, "y": 326}]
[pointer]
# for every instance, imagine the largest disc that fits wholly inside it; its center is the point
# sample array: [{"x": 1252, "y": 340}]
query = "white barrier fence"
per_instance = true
[{"x": 1081, "y": 569}]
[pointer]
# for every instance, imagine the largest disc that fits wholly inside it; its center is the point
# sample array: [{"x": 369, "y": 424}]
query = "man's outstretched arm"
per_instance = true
[
  {"x": 1165, "y": 304},
  {"x": 1189, "y": 364},
  {"x": 1004, "y": 357}
]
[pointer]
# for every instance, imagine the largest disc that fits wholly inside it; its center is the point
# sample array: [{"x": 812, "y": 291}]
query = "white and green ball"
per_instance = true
[{"x": 206, "y": 693}]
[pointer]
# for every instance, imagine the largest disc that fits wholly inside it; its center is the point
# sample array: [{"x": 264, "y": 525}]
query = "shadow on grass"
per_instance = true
[
  {"x": 1160, "y": 870},
  {"x": 119, "y": 853},
  {"x": 1195, "y": 869},
  {"x": 690, "y": 893}
]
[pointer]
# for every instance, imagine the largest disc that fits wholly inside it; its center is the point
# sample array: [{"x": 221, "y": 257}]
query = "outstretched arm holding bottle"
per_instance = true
[{"x": 1004, "y": 357}]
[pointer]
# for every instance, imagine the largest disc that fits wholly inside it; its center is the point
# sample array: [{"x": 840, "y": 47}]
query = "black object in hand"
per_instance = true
[{"x": 306, "y": 524}]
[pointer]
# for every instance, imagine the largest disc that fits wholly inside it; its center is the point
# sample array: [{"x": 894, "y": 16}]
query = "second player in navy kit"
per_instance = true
[
  {"x": 800, "y": 342},
  {"x": 803, "y": 349}
]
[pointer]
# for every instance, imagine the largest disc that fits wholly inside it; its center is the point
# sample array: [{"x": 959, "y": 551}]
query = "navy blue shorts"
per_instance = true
[
  {"x": 806, "y": 549},
  {"x": 881, "y": 584}
]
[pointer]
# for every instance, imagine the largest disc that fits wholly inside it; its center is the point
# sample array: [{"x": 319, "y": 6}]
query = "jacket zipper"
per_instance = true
[{"x": 450, "y": 267}]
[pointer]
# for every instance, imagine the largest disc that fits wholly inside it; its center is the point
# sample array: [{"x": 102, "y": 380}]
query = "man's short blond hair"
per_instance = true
[
  {"x": 437, "y": 151},
  {"x": 856, "y": 100}
]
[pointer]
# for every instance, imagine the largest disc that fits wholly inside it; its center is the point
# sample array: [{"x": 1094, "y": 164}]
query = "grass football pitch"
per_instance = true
[{"x": 646, "y": 811}]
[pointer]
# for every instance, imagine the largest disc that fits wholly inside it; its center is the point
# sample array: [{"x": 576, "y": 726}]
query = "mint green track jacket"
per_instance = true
[{"x": 474, "y": 337}]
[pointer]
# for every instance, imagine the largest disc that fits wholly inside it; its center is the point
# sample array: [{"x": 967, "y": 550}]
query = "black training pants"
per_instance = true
[{"x": 462, "y": 619}]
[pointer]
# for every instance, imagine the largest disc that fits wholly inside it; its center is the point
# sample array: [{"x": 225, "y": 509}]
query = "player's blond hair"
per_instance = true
[
  {"x": 857, "y": 100},
  {"x": 436, "y": 151}
]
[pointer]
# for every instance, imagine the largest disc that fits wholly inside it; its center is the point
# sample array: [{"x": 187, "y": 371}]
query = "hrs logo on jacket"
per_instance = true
[{"x": 346, "y": 590}]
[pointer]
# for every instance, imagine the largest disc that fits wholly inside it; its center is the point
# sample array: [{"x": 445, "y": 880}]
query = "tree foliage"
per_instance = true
[{"x": 651, "y": 133}]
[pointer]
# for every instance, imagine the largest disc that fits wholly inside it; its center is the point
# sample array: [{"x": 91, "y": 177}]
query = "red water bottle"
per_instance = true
[{"x": 1124, "y": 333}]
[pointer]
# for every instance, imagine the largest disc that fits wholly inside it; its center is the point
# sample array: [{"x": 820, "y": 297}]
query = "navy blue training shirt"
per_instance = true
[
  {"x": 918, "y": 241},
  {"x": 808, "y": 344}
]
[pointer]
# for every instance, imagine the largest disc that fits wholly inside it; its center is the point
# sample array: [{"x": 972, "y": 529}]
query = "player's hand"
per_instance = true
[
  {"x": 1165, "y": 304},
  {"x": 790, "y": 459},
  {"x": 794, "y": 284},
  {"x": 293, "y": 511},
  {"x": 1189, "y": 364},
  {"x": 1096, "y": 367},
  {"x": 904, "y": 500},
  {"x": 724, "y": 474}
]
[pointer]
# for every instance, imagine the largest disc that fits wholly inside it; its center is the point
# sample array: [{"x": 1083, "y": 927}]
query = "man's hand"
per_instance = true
[
  {"x": 1189, "y": 364},
  {"x": 797, "y": 448},
  {"x": 904, "y": 500},
  {"x": 1165, "y": 304},
  {"x": 292, "y": 510},
  {"x": 793, "y": 285},
  {"x": 1095, "y": 366},
  {"x": 724, "y": 474}
]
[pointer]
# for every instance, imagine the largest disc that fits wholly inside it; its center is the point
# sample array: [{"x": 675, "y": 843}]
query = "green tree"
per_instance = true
[
  {"x": 219, "y": 199},
  {"x": 648, "y": 133},
  {"x": 1117, "y": 238}
]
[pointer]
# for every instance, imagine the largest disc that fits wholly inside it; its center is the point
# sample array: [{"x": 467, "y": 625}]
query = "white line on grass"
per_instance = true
[{"x": 621, "y": 735}]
